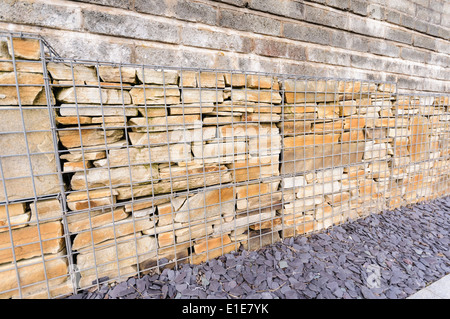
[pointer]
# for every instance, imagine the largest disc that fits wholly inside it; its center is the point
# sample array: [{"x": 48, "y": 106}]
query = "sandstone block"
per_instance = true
[
  {"x": 88, "y": 95},
  {"x": 117, "y": 229},
  {"x": 31, "y": 271},
  {"x": 157, "y": 154},
  {"x": 19, "y": 167},
  {"x": 84, "y": 110},
  {"x": 89, "y": 137},
  {"x": 31, "y": 94},
  {"x": 50, "y": 234},
  {"x": 158, "y": 77},
  {"x": 99, "y": 177},
  {"x": 207, "y": 204},
  {"x": 121, "y": 74},
  {"x": 76, "y": 72},
  {"x": 26, "y": 49},
  {"x": 95, "y": 220},
  {"x": 143, "y": 95}
]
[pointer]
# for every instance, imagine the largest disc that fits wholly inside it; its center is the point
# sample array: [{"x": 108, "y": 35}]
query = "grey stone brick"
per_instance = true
[
  {"x": 156, "y": 7},
  {"x": 286, "y": 8},
  {"x": 365, "y": 26},
  {"x": 38, "y": 13},
  {"x": 359, "y": 43},
  {"x": 129, "y": 26},
  {"x": 392, "y": 16},
  {"x": 407, "y": 21},
  {"x": 358, "y": 7},
  {"x": 415, "y": 55},
  {"x": 194, "y": 11},
  {"x": 328, "y": 56},
  {"x": 275, "y": 48},
  {"x": 405, "y": 6},
  {"x": 398, "y": 35},
  {"x": 249, "y": 22},
  {"x": 239, "y": 3},
  {"x": 424, "y": 42},
  {"x": 313, "y": 34},
  {"x": 428, "y": 15},
  {"x": 367, "y": 62},
  {"x": 124, "y": 4},
  {"x": 382, "y": 47},
  {"x": 420, "y": 26},
  {"x": 340, "y": 4},
  {"x": 157, "y": 56},
  {"x": 376, "y": 12},
  {"x": 197, "y": 59},
  {"x": 325, "y": 17},
  {"x": 79, "y": 46},
  {"x": 260, "y": 64},
  {"x": 193, "y": 36}
]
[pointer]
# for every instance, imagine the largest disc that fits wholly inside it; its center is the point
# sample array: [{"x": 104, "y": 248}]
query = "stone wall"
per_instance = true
[
  {"x": 157, "y": 167},
  {"x": 406, "y": 41}
]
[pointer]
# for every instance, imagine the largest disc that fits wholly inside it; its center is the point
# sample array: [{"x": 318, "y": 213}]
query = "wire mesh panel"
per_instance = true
[{"x": 130, "y": 168}]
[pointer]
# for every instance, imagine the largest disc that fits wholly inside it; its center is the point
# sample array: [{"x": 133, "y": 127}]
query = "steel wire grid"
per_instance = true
[{"x": 155, "y": 166}]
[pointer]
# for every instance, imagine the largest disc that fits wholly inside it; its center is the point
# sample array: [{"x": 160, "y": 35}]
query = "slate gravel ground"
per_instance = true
[{"x": 390, "y": 255}]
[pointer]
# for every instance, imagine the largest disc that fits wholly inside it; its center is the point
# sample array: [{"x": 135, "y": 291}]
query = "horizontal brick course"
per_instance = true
[{"x": 257, "y": 35}]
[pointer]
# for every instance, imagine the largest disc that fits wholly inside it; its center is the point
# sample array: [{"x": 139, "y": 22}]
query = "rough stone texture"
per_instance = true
[
  {"x": 387, "y": 256},
  {"x": 348, "y": 36},
  {"x": 161, "y": 157}
]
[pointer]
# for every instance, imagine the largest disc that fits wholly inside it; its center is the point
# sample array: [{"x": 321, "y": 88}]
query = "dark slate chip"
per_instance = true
[{"x": 410, "y": 245}]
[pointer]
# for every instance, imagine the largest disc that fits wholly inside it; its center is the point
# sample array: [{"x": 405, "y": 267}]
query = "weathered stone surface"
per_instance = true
[
  {"x": 419, "y": 138},
  {"x": 97, "y": 110},
  {"x": 88, "y": 95},
  {"x": 32, "y": 93},
  {"x": 90, "y": 136},
  {"x": 91, "y": 203},
  {"x": 25, "y": 66},
  {"x": 253, "y": 96},
  {"x": 32, "y": 271},
  {"x": 20, "y": 164},
  {"x": 80, "y": 222},
  {"x": 248, "y": 130},
  {"x": 77, "y": 72},
  {"x": 243, "y": 220},
  {"x": 14, "y": 222},
  {"x": 210, "y": 244},
  {"x": 117, "y": 229},
  {"x": 30, "y": 237},
  {"x": 158, "y": 77},
  {"x": 255, "y": 168},
  {"x": 143, "y": 95},
  {"x": 173, "y": 136},
  {"x": 121, "y": 74},
  {"x": 196, "y": 96},
  {"x": 12, "y": 210},
  {"x": 321, "y": 156},
  {"x": 202, "y": 79},
  {"x": 156, "y": 154},
  {"x": 27, "y": 49},
  {"x": 76, "y": 166},
  {"x": 213, "y": 152},
  {"x": 106, "y": 255},
  {"x": 319, "y": 189},
  {"x": 99, "y": 177},
  {"x": 216, "y": 176},
  {"x": 161, "y": 124},
  {"x": 205, "y": 205},
  {"x": 46, "y": 209}
]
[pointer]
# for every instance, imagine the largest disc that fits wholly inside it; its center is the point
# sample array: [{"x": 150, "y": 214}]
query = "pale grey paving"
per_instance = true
[
  {"x": 437, "y": 290},
  {"x": 391, "y": 255}
]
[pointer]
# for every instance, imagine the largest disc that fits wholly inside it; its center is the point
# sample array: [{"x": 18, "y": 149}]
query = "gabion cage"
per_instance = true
[{"x": 116, "y": 170}]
